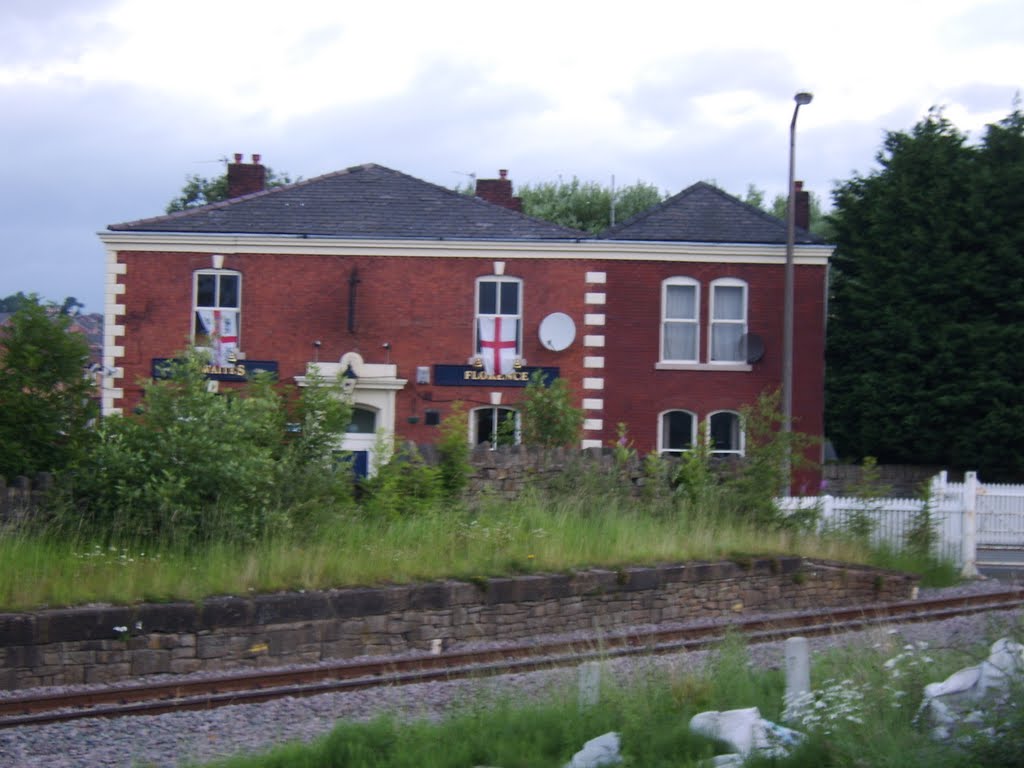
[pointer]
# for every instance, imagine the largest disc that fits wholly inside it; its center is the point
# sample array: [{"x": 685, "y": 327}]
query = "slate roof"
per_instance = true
[
  {"x": 365, "y": 201},
  {"x": 703, "y": 213}
]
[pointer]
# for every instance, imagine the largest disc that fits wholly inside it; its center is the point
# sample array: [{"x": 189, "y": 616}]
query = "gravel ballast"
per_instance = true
[{"x": 185, "y": 738}]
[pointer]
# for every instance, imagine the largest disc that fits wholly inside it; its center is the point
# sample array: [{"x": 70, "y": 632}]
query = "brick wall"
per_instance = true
[
  {"x": 108, "y": 644},
  {"x": 423, "y": 307}
]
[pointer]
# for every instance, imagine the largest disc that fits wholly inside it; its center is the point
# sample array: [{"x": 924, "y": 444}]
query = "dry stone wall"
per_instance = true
[{"x": 116, "y": 643}]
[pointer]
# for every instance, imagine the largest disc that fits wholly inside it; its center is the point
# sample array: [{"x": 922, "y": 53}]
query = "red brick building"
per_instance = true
[{"x": 421, "y": 296}]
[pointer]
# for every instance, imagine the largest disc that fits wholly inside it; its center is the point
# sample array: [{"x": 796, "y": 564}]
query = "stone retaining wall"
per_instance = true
[{"x": 108, "y": 644}]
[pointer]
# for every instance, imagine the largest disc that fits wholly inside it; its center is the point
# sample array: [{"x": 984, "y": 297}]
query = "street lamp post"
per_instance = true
[{"x": 787, "y": 325}]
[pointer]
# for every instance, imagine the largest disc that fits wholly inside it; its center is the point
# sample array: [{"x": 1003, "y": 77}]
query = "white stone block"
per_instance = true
[{"x": 600, "y": 751}]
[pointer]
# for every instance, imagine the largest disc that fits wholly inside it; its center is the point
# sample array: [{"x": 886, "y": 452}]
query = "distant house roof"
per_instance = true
[
  {"x": 365, "y": 201},
  {"x": 703, "y": 213}
]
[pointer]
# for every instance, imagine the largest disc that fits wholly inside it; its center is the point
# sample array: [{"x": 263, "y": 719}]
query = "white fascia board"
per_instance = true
[{"x": 611, "y": 250}]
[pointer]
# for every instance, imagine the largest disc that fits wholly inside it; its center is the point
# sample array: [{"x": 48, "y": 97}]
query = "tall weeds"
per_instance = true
[{"x": 540, "y": 531}]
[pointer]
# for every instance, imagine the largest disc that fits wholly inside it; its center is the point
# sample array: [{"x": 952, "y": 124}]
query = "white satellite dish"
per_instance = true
[{"x": 557, "y": 331}]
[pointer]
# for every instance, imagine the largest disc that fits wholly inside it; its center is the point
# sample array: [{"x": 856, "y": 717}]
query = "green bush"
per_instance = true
[
  {"x": 455, "y": 466},
  {"x": 747, "y": 487},
  {"x": 402, "y": 483},
  {"x": 195, "y": 466},
  {"x": 549, "y": 417}
]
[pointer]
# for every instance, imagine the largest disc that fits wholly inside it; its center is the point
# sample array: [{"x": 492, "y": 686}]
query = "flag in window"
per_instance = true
[{"x": 498, "y": 343}]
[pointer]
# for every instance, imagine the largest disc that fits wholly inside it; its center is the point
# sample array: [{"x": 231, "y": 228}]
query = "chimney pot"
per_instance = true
[
  {"x": 255, "y": 159},
  {"x": 503, "y": 173},
  {"x": 238, "y": 157}
]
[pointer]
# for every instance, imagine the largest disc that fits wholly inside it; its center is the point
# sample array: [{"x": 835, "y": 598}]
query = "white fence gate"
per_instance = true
[{"x": 974, "y": 523}]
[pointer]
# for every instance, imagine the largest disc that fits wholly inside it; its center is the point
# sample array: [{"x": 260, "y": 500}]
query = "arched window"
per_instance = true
[
  {"x": 677, "y": 431},
  {"x": 216, "y": 313},
  {"x": 680, "y": 323},
  {"x": 728, "y": 321},
  {"x": 499, "y": 322},
  {"x": 494, "y": 425},
  {"x": 725, "y": 432}
]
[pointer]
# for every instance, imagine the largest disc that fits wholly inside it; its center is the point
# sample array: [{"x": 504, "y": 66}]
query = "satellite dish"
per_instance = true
[
  {"x": 754, "y": 346},
  {"x": 557, "y": 331}
]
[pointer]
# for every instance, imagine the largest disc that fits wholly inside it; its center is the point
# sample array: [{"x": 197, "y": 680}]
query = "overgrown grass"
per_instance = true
[
  {"x": 933, "y": 571},
  {"x": 536, "y": 533},
  {"x": 873, "y": 694},
  {"x": 651, "y": 714}
]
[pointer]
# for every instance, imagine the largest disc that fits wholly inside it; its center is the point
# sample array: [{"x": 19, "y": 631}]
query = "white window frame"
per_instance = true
[
  {"x": 665, "y": 321},
  {"x": 713, "y": 322},
  {"x": 663, "y": 432},
  {"x": 218, "y": 274},
  {"x": 518, "y": 316},
  {"x": 474, "y": 436},
  {"x": 741, "y": 437}
]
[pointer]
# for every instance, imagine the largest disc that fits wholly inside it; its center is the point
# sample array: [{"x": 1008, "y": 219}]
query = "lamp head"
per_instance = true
[{"x": 803, "y": 98}]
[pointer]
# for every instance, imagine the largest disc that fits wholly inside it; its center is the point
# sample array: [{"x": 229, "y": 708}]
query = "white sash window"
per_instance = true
[
  {"x": 498, "y": 325},
  {"x": 680, "y": 325},
  {"x": 728, "y": 321},
  {"x": 216, "y": 313}
]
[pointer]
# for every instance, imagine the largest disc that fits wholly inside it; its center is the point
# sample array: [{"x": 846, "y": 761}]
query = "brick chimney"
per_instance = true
[
  {"x": 246, "y": 178},
  {"x": 499, "y": 192},
  {"x": 802, "y": 206}
]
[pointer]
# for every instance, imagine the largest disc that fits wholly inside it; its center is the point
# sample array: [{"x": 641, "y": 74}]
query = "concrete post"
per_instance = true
[
  {"x": 798, "y": 676},
  {"x": 590, "y": 684}
]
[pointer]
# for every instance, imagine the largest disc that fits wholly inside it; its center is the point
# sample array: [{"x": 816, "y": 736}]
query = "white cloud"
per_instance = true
[{"x": 110, "y": 103}]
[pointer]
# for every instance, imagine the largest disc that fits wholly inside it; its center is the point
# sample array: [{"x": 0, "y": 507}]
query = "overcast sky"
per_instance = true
[{"x": 107, "y": 105}]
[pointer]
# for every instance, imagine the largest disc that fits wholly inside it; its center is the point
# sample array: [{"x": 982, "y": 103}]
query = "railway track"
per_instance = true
[{"x": 256, "y": 687}]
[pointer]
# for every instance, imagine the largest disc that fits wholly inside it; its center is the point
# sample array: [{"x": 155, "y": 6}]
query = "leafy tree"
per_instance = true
[
  {"x": 927, "y": 321},
  {"x": 586, "y": 205},
  {"x": 199, "y": 190},
  {"x": 14, "y": 302},
  {"x": 549, "y": 417},
  {"x": 755, "y": 197},
  {"x": 71, "y": 306},
  {"x": 46, "y": 394}
]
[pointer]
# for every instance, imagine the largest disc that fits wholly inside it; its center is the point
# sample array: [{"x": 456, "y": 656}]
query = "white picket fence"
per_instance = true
[{"x": 971, "y": 520}]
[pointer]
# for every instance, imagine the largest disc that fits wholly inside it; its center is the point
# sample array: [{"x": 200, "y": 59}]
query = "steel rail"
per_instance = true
[{"x": 256, "y": 687}]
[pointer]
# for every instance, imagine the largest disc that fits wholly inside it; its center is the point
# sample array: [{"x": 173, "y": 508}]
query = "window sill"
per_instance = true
[{"x": 739, "y": 367}]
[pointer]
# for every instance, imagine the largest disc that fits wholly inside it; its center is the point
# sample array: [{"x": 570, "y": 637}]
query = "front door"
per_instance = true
[{"x": 361, "y": 439}]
